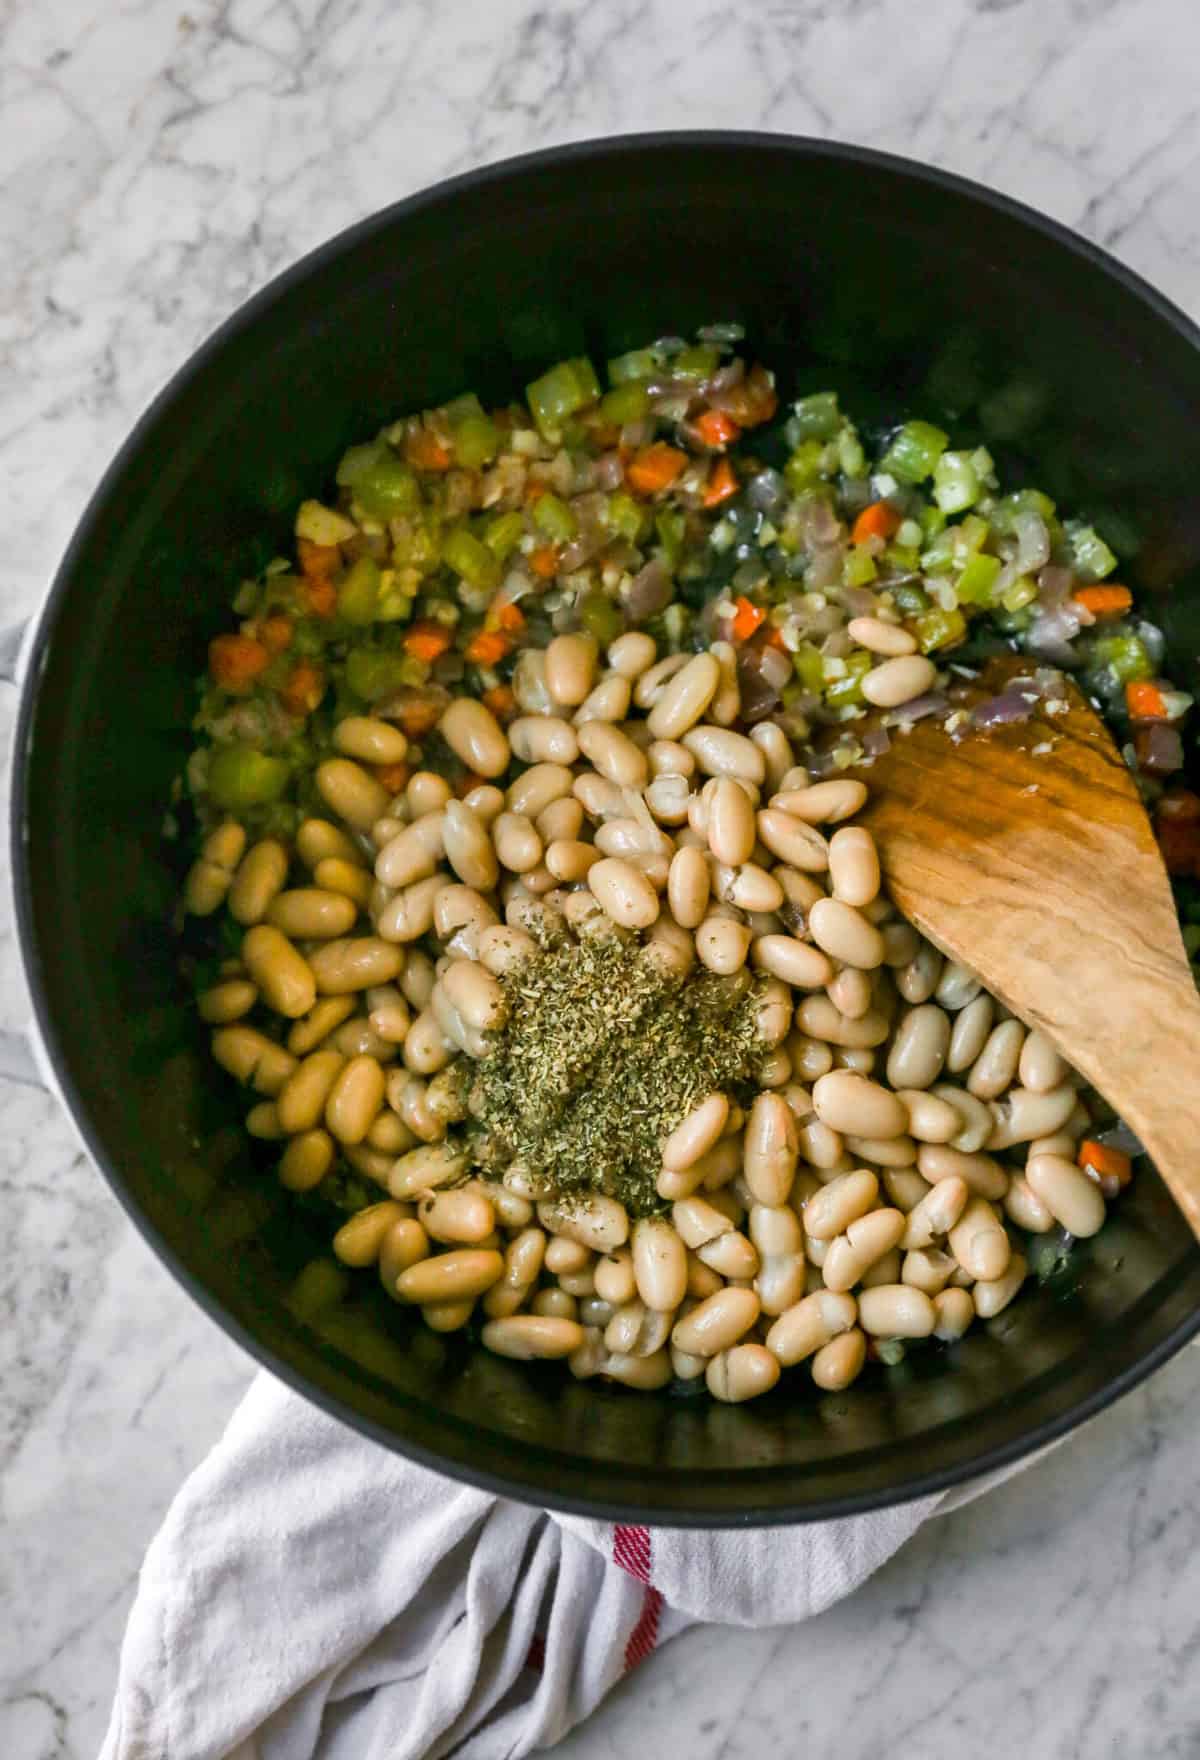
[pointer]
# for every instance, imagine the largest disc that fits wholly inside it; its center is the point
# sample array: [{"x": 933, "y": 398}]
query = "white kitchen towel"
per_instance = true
[{"x": 311, "y": 1596}]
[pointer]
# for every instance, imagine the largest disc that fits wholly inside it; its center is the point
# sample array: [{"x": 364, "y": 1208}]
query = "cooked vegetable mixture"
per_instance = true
[{"x": 525, "y": 794}]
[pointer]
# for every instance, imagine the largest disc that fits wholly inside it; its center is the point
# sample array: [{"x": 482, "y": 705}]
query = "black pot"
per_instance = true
[{"x": 911, "y": 292}]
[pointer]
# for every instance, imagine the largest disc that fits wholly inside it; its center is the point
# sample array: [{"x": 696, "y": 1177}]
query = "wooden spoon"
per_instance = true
[{"x": 1038, "y": 869}]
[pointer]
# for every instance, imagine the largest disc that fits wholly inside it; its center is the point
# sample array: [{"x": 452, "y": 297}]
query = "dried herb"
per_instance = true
[{"x": 603, "y": 1055}]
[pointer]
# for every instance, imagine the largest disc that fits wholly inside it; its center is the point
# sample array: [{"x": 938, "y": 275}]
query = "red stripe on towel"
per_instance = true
[
  {"x": 644, "y": 1635},
  {"x": 631, "y": 1550}
]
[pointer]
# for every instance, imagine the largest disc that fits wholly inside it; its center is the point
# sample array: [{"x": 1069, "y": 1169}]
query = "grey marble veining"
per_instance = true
[{"x": 159, "y": 161}]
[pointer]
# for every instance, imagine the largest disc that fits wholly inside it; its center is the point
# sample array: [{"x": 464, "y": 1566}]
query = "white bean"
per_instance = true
[
  {"x": 846, "y": 935},
  {"x": 896, "y": 1311},
  {"x": 1071, "y": 1197},
  {"x": 623, "y": 893},
  {"x": 473, "y": 734},
  {"x": 898, "y": 681},
  {"x": 720, "y": 752},
  {"x": 880, "y": 637},
  {"x": 684, "y": 698},
  {"x": 854, "y": 866},
  {"x": 849, "y": 1102}
]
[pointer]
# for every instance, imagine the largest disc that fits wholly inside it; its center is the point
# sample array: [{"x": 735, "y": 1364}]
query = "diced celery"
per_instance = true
[
  {"x": 464, "y": 553},
  {"x": 669, "y": 524},
  {"x": 625, "y": 515},
  {"x": 909, "y": 598},
  {"x": 504, "y": 534},
  {"x": 852, "y": 460},
  {"x": 698, "y": 362},
  {"x": 1022, "y": 592},
  {"x": 640, "y": 363},
  {"x": 842, "y": 693},
  {"x": 939, "y": 555},
  {"x": 566, "y": 388},
  {"x": 1125, "y": 656},
  {"x": 239, "y": 776},
  {"x": 809, "y": 667},
  {"x": 975, "y": 583},
  {"x": 955, "y": 482},
  {"x": 382, "y": 486},
  {"x": 816, "y": 417},
  {"x": 933, "y": 521},
  {"x": 985, "y": 466},
  {"x": 914, "y": 451},
  {"x": 358, "y": 595},
  {"x": 858, "y": 567},
  {"x": 601, "y": 617},
  {"x": 323, "y": 525},
  {"x": 357, "y": 460},
  {"x": 955, "y": 546},
  {"x": 476, "y": 439},
  {"x": 372, "y": 673},
  {"x": 939, "y": 629},
  {"x": 1005, "y": 511},
  {"x": 903, "y": 558},
  {"x": 552, "y": 516},
  {"x": 627, "y": 402},
  {"x": 803, "y": 468},
  {"x": 1091, "y": 557}
]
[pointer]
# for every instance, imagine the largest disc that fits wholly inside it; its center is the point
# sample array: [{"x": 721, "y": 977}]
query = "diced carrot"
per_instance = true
[
  {"x": 535, "y": 489},
  {"x": 746, "y": 619},
  {"x": 501, "y": 701},
  {"x": 304, "y": 688},
  {"x": 392, "y": 776},
  {"x": 417, "y": 715},
  {"x": 236, "y": 662},
  {"x": 275, "y": 633},
  {"x": 879, "y": 520},
  {"x": 427, "y": 640},
  {"x": 488, "y": 647},
  {"x": 716, "y": 427},
  {"x": 655, "y": 467},
  {"x": 507, "y": 615},
  {"x": 1144, "y": 700},
  {"x": 1107, "y": 601},
  {"x": 544, "y": 561},
  {"x": 774, "y": 639},
  {"x": 322, "y": 596},
  {"x": 722, "y": 483},
  {"x": 1108, "y": 1163},
  {"x": 317, "y": 561},
  {"x": 425, "y": 451}
]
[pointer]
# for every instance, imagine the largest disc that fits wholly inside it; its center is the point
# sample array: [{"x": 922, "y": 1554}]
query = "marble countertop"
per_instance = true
[{"x": 164, "y": 158}]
